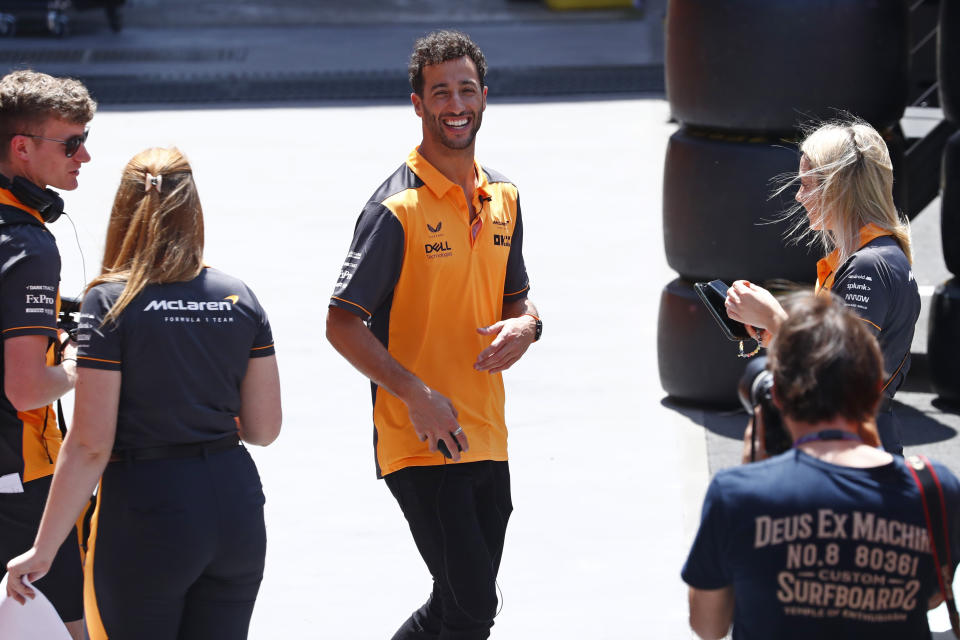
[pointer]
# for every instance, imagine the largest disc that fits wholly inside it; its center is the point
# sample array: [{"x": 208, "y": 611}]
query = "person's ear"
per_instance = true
[
  {"x": 19, "y": 147},
  {"x": 417, "y": 103}
]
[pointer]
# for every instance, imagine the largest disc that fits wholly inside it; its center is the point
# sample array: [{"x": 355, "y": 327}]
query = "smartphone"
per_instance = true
[{"x": 713, "y": 294}]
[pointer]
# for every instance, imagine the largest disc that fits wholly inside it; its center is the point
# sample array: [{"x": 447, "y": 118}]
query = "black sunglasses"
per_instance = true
[{"x": 71, "y": 144}]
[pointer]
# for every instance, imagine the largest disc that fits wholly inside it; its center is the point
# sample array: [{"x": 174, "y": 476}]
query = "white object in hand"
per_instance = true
[{"x": 35, "y": 620}]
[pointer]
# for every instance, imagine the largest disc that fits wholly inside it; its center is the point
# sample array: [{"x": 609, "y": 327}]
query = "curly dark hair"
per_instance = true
[
  {"x": 825, "y": 362},
  {"x": 28, "y": 98},
  {"x": 439, "y": 47}
]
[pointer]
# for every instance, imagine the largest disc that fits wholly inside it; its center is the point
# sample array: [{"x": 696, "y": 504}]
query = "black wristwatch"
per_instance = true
[{"x": 539, "y": 332}]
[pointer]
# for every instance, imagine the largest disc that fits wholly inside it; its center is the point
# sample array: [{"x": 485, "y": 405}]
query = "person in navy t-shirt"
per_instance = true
[
  {"x": 827, "y": 540},
  {"x": 175, "y": 366}
]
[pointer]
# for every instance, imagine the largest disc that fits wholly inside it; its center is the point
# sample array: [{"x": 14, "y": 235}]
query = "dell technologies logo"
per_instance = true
[{"x": 437, "y": 247}]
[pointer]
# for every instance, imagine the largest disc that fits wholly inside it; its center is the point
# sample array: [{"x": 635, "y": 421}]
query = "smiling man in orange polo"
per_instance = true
[{"x": 432, "y": 305}]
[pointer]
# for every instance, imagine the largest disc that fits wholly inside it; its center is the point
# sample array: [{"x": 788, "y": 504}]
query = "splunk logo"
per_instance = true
[{"x": 191, "y": 305}]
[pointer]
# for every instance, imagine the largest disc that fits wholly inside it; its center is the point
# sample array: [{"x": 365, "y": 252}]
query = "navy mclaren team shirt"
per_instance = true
[{"x": 183, "y": 350}]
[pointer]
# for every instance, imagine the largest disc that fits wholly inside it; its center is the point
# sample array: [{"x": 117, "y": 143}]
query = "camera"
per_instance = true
[
  {"x": 755, "y": 389},
  {"x": 69, "y": 318}
]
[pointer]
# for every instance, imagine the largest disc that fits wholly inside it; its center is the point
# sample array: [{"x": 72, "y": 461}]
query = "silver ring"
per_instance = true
[{"x": 457, "y": 432}]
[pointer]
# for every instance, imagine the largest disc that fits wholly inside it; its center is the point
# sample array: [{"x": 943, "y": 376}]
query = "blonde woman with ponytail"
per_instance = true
[
  {"x": 846, "y": 193},
  {"x": 176, "y": 367}
]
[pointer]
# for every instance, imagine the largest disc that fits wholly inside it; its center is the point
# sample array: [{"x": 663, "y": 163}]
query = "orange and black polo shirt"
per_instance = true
[
  {"x": 424, "y": 283},
  {"x": 877, "y": 283},
  {"x": 29, "y": 303}
]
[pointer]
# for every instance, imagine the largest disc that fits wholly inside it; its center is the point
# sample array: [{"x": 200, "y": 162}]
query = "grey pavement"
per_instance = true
[
  {"x": 608, "y": 475},
  {"x": 606, "y": 480}
]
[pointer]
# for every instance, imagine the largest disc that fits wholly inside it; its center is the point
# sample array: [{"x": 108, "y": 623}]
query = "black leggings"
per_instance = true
[
  {"x": 176, "y": 549},
  {"x": 458, "y": 517}
]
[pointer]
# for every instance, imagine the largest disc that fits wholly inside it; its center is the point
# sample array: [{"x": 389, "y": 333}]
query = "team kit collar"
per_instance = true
[
  {"x": 827, "y": 267},
  {"x": 8, "y": 198},
  {"x": 438, "y": 183}
]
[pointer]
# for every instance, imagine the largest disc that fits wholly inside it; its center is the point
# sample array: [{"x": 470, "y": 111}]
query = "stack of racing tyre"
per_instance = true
[
  {"x": 943, "y": 339},
  {"x": 743, "y": 77}
]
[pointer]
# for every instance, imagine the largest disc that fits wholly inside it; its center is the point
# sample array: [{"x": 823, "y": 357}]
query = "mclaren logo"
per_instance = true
[
  {"x": 435, "y": 229},
  {"x": 191, "y": 305},
  {"x": 232, "y": 298}
]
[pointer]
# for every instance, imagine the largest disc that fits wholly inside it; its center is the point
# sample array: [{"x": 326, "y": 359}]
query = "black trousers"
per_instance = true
[
  {"x": 889, "y": 428},
  {"x": 458, "y": 516},
  {"x": 176, "y": 549}
]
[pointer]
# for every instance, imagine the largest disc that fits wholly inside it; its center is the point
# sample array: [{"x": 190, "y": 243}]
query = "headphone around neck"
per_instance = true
[{"x": 46, "y": 201}]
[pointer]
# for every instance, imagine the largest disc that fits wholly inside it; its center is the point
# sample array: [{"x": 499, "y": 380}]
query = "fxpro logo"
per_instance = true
[{"x": 190, "y": 305}]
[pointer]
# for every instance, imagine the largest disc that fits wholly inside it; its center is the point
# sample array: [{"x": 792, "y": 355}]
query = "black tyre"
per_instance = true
[
  {"x": 943, "y": 340},
  {"x": 718, "y": 214},
  {"x": 697, "y": 363},
  {"x": 950, "y": 204},
  {"x": 948, "y": 59},
  {"x": 897, "y": 146},
  {"x": 767, "y": 65}
]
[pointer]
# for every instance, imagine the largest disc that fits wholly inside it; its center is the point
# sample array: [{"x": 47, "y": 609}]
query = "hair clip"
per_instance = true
[{"x": 152, "y": 181}]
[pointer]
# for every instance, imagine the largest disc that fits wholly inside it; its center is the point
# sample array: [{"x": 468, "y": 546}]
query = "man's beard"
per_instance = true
[{"x": 434, "y": 124}]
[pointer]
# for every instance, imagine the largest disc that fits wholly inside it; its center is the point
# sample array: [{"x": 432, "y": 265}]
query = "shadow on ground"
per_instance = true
[
  {"x": 919, "y": 428},
  {"x": 725, "y": 421}
]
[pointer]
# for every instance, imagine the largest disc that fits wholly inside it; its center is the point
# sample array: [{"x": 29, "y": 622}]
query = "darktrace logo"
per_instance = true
[
  {"x": 501, "y": 240},
  {"x": 435, "y": 229}
]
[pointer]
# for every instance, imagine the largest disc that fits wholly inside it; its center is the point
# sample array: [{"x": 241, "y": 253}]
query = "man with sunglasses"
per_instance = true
[{"x": 43, "y": 128}]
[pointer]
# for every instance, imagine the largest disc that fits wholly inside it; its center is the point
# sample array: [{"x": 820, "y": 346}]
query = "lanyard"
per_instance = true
[{"x": 827, "y": 434}]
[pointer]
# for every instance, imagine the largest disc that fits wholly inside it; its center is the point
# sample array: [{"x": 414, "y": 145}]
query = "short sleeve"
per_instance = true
[
  {"x": 99, "y": 343},
  {"x": 29, "y": 278},
  {"x": 516, "y": 285},
  {"x": 951, "y": 496},
  {"x": 263, "y": 341},
  {"x": 372, "y": 266},
  {"x": 863, "y": 284},
  {"x": 706, "y": 566}
]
